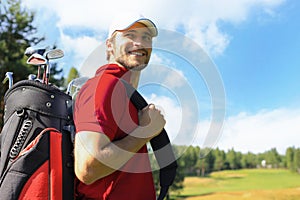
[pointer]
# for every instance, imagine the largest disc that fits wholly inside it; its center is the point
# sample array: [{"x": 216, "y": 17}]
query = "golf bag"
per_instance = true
[{"x": 36, "y": 160}]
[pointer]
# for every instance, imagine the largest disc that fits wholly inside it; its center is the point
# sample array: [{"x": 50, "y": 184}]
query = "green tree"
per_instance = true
[
  {"x": 205, "y": 163},
  {"x": 296, "y": 160},
  {"x": 210, "y": 161},
  {"x": 16, "y": 34},
  {"x": 273, "y": 158},
  {"x": 289, "y": 155},
  {"x": 190, "y": 158},
  {"x": 73, "y": 73},
  {"x": 249, "y": 160},
  {"x": 220, "y": 158},
  {"x": 234, "y": 159}
]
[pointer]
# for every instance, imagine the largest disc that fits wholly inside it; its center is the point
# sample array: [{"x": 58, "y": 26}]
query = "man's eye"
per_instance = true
[
  {"x": 147, "y": 38},
  {"x": 129, "y": 35}
]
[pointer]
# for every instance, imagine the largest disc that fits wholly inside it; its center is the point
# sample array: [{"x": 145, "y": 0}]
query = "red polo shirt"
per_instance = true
[{"x": 103, "y": 106}]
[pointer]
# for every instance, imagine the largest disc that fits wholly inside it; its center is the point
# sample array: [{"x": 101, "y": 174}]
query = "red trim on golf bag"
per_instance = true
[
  {"x": 56, "y": 180},
  {"x": 37, "y": 186},
  {"x": 46, "y": 181}
]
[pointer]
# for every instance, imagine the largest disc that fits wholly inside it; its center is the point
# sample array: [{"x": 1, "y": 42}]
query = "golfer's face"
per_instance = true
[{"x": 132, "y": 47}]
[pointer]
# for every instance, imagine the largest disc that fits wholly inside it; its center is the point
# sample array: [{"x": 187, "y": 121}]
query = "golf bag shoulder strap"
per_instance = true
[{"x": 160, "y": 144}]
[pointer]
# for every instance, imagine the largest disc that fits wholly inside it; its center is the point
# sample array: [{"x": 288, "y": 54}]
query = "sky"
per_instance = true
[{"x": 225, "y": 73}]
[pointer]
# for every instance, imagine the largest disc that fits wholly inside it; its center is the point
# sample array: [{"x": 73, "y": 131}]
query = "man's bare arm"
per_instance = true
[{"x": 96, "y": 156}]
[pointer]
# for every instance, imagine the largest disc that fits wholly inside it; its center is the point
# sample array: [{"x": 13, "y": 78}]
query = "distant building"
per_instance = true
[{"x": 264, "y": 163}]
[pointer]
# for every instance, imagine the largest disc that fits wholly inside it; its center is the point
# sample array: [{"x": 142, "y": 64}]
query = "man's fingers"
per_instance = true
[
  {"x": 151, "y": 106},
  {"x": 150, "y": 110}
]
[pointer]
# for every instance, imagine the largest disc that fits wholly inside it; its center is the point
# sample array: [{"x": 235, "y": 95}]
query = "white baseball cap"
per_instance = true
[{"x": 126, "y": 20}]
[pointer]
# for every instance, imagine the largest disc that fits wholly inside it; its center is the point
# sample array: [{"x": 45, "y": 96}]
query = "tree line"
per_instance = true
[
  {"x": 199, "y": 162},
  {"x": 194, "y": 161}
]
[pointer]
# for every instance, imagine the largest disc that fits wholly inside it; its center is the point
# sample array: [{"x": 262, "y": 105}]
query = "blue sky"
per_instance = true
[
  {"x": 253, "y": 44},
  {"x": 261, "y": 64}
]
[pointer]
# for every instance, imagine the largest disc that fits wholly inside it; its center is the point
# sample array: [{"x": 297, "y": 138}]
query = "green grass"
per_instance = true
[{"x": 240, "y": 180}]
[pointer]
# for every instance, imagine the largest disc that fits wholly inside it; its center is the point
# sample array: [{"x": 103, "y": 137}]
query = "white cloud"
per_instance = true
[
  {"x": 155, "y": 59},
  {"x": 199, "y": 19},
  {"x": 175, "y": 78},
  {"x": 163, "y": 71},
  {"x": 261, "y": 131},
  {"x": 210, "y": 38},
  {"x": 81, "y": 47}
]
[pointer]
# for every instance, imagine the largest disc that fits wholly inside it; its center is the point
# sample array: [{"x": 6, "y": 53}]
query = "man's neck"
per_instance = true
[{"x": 134, "y": 78}]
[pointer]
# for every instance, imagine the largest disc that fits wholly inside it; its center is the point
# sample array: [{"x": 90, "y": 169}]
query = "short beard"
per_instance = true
[{"x": 138, "y": 67}]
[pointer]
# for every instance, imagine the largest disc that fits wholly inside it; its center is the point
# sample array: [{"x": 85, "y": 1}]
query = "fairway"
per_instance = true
[{"x": 258, "y": 184}]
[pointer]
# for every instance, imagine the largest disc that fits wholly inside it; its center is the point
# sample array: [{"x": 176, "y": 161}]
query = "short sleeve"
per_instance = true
[
  {"x": 110, "y": 103},
  {"x": 103, "y": 106}
]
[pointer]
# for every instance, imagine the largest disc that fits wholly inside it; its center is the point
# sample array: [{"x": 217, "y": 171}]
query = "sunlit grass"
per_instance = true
[{"x": 244, "y": 184}]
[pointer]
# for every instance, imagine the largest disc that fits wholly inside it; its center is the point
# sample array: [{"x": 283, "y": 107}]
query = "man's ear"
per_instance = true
[
  {"x": 109, "y": 49},
  {"x": 109, "y": 45}
]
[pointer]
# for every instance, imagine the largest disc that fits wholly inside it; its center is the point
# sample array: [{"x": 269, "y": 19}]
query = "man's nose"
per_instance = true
[{"x": 138, "y": 41}]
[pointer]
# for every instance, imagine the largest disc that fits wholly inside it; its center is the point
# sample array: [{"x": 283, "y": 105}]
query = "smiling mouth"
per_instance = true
[{"x": 138, "y": 53}]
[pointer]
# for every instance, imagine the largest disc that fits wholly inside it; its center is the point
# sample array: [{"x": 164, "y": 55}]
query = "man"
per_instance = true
[{"x": 111, "y": 160}]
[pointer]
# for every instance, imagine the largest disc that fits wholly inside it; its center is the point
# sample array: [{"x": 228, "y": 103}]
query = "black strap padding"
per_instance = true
[
  {"x": 163, "y": 193},
  {"x": 160, "y": 144}
]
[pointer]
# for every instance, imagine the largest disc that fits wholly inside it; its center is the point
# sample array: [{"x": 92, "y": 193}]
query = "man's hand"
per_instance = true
[{"x": 151, "y": 119}]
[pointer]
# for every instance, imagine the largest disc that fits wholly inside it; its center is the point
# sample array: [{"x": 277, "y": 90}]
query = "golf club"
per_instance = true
[
  {"x": 30, "y": 50},
  {"x": 39, "y": 58},
  {"x": 51, "y": 55},
  {"x": 9, "y": 78}
]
